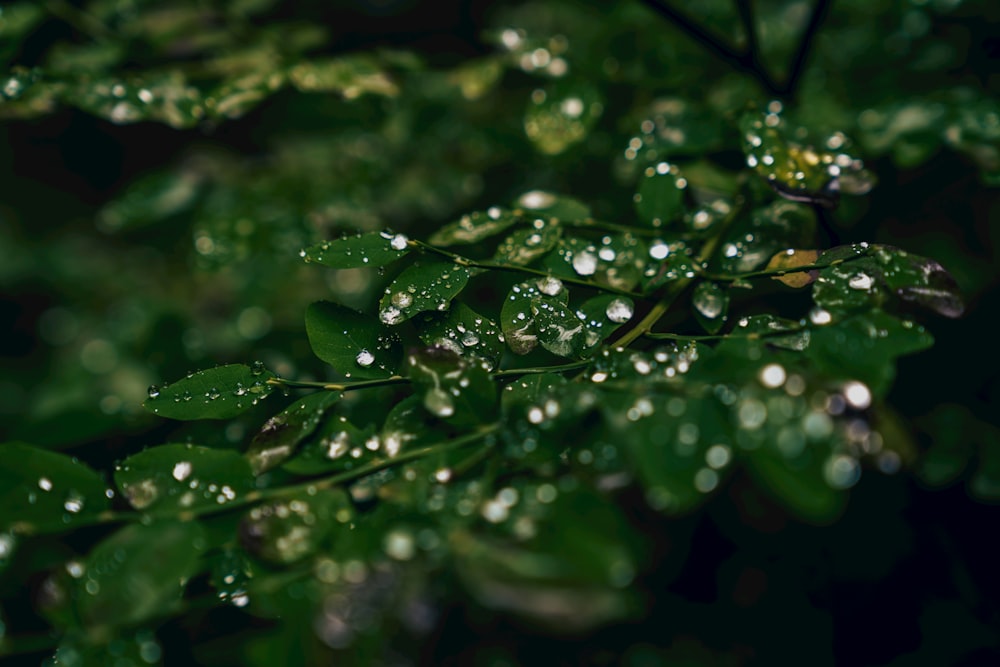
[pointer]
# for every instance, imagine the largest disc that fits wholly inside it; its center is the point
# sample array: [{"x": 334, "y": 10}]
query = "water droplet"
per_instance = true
[
  {"x": 257, "y": 367},
  {"x": 858, "y": 395},
  {"x": 709, "y": 303},
  {"x": 536, "y": 199},
  {"x": 212, "y": 394},
  {"x": 153, "y": 391},
  {"x": 365, "y": 359},
  {"x": 772, "y": 375},
  {"x": 842, "y": 471},
  {"x": 399, "y": 242},
  {"x": 585, "y": 263},
  {"x": 399, "y": 544},
  {"x": 391, "y": 315},
  {"x": 439, "y": 403},
  {"x": 619, "y": 311},
  {"x": 44, "y": 483},
  {"x": 402, "y": 299},
  {"x": 182, "y": 470},
  {"x": 74, "y": 502},
  {"x": 550, "y": 285},
  {"x": 860, "y": 281}
]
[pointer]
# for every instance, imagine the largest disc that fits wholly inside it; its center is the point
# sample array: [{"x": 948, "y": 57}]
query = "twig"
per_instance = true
[{"x": 791, "y": 85}]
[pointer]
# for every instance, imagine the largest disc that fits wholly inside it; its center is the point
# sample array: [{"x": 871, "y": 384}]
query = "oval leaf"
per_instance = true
[
  {"x": 43, "y": 491},
  {"x": 138, "y": 573},
  {"x": 217, "y": 393},
  {"x": 352, "y": 252},
  {"x": 171, "y": 479},
  {"x": 428, "y": 285},
  {"x": 280, "y": 436},
  {"x": 351, "y": 342}
]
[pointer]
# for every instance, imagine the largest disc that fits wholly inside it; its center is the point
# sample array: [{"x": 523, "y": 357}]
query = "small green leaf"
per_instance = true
[
  {"x": 603, "y": 315},
  {"x": 711, "y": 305},
  {"x": 217, "y": 393},
  {"x": 680, "y": 447},
  {"x": 551, "y": 206},
  {"x": 43, "y": 491},
  {"x": 660, "y": 198},
  {"x": 288, "y": 530},
  {"x": 457, "y": 390},
  {"x": 351, "y": 252},
  {"x": 864, "y": 347},
  {"x": 919, "y": 280},
  {"x": 517, "y": 318},
  {"x": 351, "y": 76},
  {"x": 462, "y": 330},
  {"x": 797, "y": 171},
  {"x": 474, "y": 227},
  {"x": 426, "y": 285},
  {"x": 526, "y": 245},
  {"x": 772, "y": 330},
  {"x": 280, "y": 436},
  {"x": 338, "y": 445},
  {"x": 561, "y": 116},
  {"x": 351, "y": 342},
  {"x": 755, "y": 239},
  {"x": 138, "y": 573},
  {"x": 171, "y": 479}
]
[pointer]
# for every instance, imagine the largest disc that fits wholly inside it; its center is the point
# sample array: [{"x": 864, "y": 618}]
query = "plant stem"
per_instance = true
[
  {"x": 517, "y": 372},
  {"x": 791, "y": 85},
  {"x": 764, "y": 273},
  {"x": 740, "y": 60},
  {"x": 339, "y": 386}
]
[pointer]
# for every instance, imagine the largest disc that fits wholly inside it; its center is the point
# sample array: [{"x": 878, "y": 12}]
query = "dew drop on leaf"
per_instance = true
[{"x": 619, "y": 311}]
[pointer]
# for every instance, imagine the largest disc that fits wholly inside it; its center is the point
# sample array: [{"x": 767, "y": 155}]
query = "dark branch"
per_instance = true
[
  {"x": 742, "y": 60},
  {"x": 791, "y": 85}
]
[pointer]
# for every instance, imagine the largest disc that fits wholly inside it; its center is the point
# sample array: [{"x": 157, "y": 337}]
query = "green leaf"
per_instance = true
[
  {"x": 526, "y": 245},
  {"x": 43, "y": 491},
  {"x": 457, "y": 390},
  {"x": 351, "y": 76},
  {"x": 618, "y": 261},
  {"x": 164, "y": 97},
  {"x": 799, "y": 485},
  {"x": 603, "y": 315},
  {"x": 351, "y": 252},
  {"x": 711, "y": 305},
  {"x": 772, "y": 330},
  {"x": 463, "y": 331},
  {"x": 560, "y": 116},
  {"x": 796, "y": 171},
  {"x": 138, "y": 573},
  {"x": 474, "y": 227},
  {"x": 517, "y": 317},
  {"x": 426, "y": 285},
  {"x": 660, "y": 198},
  {"x": 559, "y": 329},
  {"x": 281, "y": 435},
  {"x": 286, "y": 531},
  {"x": 864, "y": 348},
  {"x": 170, "y": 479},
  {"x": 338, "y": 445},
  {"x": 754, "y": 240},
  {"x": 550, "y": 206},
  {"x": 919, "y": 280},
  {"x": 529, "y": 390},
  {"x": 680, "y": 447},
  {"x": 217, "y": 393},
  {"x": 351, "y": 342}
]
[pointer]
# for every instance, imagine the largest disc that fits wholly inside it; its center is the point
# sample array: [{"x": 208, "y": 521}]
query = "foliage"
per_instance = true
[{"x": 658, "y": 316}]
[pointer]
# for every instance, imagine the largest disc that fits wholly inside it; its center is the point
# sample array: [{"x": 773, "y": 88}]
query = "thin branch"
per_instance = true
[
  {"x": 741, "y": 60},
  {"x": 819, "y": 12}
]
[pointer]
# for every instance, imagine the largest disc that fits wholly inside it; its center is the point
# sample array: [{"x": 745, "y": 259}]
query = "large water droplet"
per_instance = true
[
  {"x": 860, "y": 281},
  {"x": 365, "y": 358},
  {"x": 619, "y": 311},
  {"x": 439, "y": 403}
]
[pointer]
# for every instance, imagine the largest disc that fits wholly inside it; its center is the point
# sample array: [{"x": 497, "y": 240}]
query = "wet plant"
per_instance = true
[{"x": 491, "y": 396}]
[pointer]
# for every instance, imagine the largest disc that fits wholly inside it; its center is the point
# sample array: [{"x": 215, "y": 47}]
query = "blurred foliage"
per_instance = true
[{"x": 586, "y": 328}]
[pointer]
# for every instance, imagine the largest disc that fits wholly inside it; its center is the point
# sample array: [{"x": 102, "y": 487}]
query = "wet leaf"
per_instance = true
[
  {"x": 351, "y": 76},
  {"x": 799, "y": 485},
  {"x": 799, "y": 171},
  {"x": 337, "y": 445},
  {"x": 426, "y": 285},
  {"x": 517, "y": 318},
  {"x": 529, "y": 390},
  {"x": 560, "y": 116},
  {"x": 793, "y": 259},
  {"x": 549, "y": 205},
  {"x": 231, "y": 575},
  {"x": 138, "y": 573},
  {"x": 217, "y": 393},
  {"x": 680, "y": 448},
  {"x": 350, "y": 342},
  {"x": 526, "y": 245},
  {"x": 170, "y": 479},
  {"x": 675, "y": 126},
  {"x": 603, "y": 315},
  {"x": 864, "y": 347},
  {"x": 288, "y": 530},
  {"x": 617, "y": 260},
  {"x": 474, "y": 227},
  {"x": 772, "y": 330},
  {"x": 755, "y": 239},
  {"x": 455, "y": 389},
  {"x": 281, "y": 435},
  {"x": 166, "y": 97},
  {"x": 534, "y": 575},
  {"x": 660, "y": 198},
  {"x": 43, "y": 491},
  {"x": 919, "y": 280},
  {"x": 559, "y": 329},
  {"x": 711, "y": 305},
  {"x": 463, "y": 331},
  {"x": 369, "y": 249}
]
